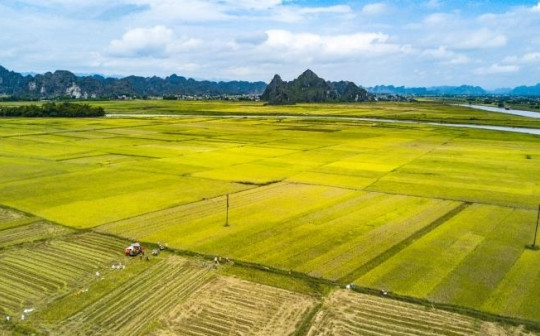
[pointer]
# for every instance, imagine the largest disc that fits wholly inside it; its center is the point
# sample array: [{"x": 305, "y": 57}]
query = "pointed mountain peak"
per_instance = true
[
  {"x": 277, "y": 79},
  {"x": 308, "y": 74}
]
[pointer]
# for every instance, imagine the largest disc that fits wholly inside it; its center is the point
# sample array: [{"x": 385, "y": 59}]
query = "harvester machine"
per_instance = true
[{"x": 134, "y": 249}]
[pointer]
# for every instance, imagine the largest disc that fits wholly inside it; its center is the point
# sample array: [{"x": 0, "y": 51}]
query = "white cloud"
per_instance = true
[
  {"x": 483, "y": 38},
  {"x": 439, "y": 18},
  {"x": 142, "y": 42},
  {"x": 466, "y": 38},
  {"x": 497, "y": 69},
  {"x": 531, "y": 58},
  {"x": 186, "y": 10},
  {"x": 253, "y": 4},
  {"x": 445, "y": 56},
  {"x": 312, "y": 46},
  {"x": 297, "y": 15},
  {"x": 375, "y": 9},
  {"x": 338, "y": 9},
  {"x": 536, "y": 8},
  {"x": 528, "y": 58}
]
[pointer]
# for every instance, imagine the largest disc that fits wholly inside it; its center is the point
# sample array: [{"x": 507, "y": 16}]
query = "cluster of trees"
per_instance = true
[{"x": 63, "y": 110}]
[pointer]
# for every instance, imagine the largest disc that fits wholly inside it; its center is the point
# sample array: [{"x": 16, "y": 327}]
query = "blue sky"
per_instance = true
[{"x": 493, "y": 44}]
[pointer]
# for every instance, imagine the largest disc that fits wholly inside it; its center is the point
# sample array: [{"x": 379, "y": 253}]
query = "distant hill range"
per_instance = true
[
  {"x": 433, "y": 91},
  {"x": 463, "y": 90},
  {"x": 310, "y": 88},
  {"x": 64, "y": 84}
]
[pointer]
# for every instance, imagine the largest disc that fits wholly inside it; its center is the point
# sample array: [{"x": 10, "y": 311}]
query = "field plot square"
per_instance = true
[
  {"x": 251, "y": 173},
  {"x": 373, "y": 140},
  {"x": 349, "y": 313},
  {"x": 95, "y": 196},
  {"x": 341, "y": 239},
  {"x": 308, "y": 159},
  {"x": 23, "y": 233},
  {"x": 11, "y": 218},
  {"x": 21, "y": 167},
  {"x": 229, "y": 306},
  {"x": 153, "y": 196},
  {"x": 101, "y": 159},
  {"x": 132, "y": 307},
  {"x": 259, "y": 151},
  {"x": 22, "y": 147},
  {"x": 199, "y": 225},
  {"x": 473, "y": 260},
  {"x": 515, "y": 295},
  {"x": 55, "y": 138},
  {"x": 217, "y": 159},
  {"x": 36, "y": 274},
  {"x": 165, "y": 166},
  {"x": 492, "y": 172},
  {"x": 335, "y": 180},
  {"x": 82, "y": 185}
]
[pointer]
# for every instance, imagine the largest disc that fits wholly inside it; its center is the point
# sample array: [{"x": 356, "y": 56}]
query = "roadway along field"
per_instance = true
[{"x": 357, "y": 202}]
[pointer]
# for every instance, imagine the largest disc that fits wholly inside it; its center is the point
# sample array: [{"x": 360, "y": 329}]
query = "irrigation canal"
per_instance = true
[
  {"x": 535, "y": 131},
  {"x": 522, "y": 113}
]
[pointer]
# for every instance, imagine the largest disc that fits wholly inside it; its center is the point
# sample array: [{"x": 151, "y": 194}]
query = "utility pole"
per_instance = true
[
  {"x": 227, "y": 216},
  {"x": 533, "y": 246}
]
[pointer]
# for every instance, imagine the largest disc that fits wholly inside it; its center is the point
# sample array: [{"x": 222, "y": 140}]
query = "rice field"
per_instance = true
[
  {"x": 470, "y": 260},
  {"x": 228, "y": 306},
  {"x": 34, "y": 274},
  {"x": 440, "y": 214},
  {"x": 57, "y": 287},
  {"x": 130, "y": 307},
  {"x": 346, "y": 313}
]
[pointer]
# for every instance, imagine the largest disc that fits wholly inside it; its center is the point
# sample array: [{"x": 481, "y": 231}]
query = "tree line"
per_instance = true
[{"x": 51, "y": 110}]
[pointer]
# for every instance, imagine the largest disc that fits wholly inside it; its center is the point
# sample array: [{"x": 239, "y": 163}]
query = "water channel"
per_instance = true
[{"x": 504, "y": 110}]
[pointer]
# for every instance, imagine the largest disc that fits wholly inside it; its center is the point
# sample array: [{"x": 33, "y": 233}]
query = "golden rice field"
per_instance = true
[
  {"x": 435, "y": 213},
  {"x": 66, "y": 286}
]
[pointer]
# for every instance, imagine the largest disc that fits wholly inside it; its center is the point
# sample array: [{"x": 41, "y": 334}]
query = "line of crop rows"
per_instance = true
[
  {"x": 8, "y": 224},
  {"x": 231, "y": 306},
  {"x": 148, "y": 223},
  {"x": 364, "y": 314},
  {"x": 10, "y": 303},
  {"x": 42, "y": 271},
  {"x": 99, "y": 243},
  {"x": 129, "y": 308},
  {"x": 31, "y": 232},
  {"x": 10, "y": 215}
]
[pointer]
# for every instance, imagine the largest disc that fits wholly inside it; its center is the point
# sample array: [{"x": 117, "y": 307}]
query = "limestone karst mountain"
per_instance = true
[{"x": 310, "y": 88}]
